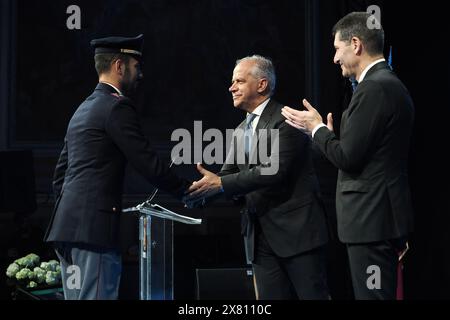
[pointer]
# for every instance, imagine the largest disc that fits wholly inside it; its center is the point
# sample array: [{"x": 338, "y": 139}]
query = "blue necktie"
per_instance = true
[
  {"x": 248, "y": 133},
  {"x": 354, "y": 84}
]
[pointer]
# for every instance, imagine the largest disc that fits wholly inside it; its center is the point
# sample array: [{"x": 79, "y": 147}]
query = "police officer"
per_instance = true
[{"x": 103, "y": 135}]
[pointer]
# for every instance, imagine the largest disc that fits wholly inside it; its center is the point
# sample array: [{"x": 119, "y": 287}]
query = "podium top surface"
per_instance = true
[{"x": 161, "y": 212}]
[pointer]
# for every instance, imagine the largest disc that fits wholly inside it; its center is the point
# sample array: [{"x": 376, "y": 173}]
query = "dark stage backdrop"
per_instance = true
[{"x": 190, "y": 51}]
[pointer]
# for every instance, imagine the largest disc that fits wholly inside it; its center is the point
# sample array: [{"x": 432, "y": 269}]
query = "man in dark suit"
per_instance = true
[
  {"x": 103, "y": 135},
  {"x": 373, "y": 202},
  {"x": 283, "y": 222}
]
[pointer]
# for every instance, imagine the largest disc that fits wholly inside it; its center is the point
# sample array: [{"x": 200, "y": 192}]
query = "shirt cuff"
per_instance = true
[{"x": 317, "y": 128}]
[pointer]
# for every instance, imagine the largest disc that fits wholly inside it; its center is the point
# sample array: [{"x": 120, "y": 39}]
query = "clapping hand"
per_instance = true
[{"x": 305, "y": 120}]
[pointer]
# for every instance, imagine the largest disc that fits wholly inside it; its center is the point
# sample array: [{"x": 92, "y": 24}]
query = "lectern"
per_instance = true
[{"x": 156, "y": 249}]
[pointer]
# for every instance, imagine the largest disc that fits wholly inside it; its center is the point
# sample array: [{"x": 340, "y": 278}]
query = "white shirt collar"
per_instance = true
[
  {"x": 364, "y": 73},
  {"x": 109, "y": 84},
  {"x": 259, "y": 109},
  {"x": 258, "y": 112}
]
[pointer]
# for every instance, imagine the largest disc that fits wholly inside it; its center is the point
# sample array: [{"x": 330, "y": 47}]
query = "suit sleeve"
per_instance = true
[
  {"x": 363, "y": 127},
  {"x": 124, "y": 128},
  {"x": 291, "y": 144},
  {"x": 60, "y": 171}
]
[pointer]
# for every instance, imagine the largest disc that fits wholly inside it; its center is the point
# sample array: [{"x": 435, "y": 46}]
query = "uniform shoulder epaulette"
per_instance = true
[
  {"x": 116, "y": 95},
  {"x": 119, "y": 99}
]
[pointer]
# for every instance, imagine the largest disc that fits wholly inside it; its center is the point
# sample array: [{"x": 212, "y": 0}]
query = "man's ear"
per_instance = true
[
  {"x": 118, "y": 67},
  {"x": 357, "y": 46},
  {"x": 262, "y": 85}
]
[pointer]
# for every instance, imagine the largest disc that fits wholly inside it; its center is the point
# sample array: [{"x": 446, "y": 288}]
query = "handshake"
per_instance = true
[{"x": 209, "y": 186}]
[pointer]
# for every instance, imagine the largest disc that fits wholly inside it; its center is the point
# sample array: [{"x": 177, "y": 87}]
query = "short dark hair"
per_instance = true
[
  {"x": 355, "y": 25},
  {"x": 103, "y": 61}
]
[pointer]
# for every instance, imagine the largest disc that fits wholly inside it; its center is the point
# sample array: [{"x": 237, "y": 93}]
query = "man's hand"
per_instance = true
[
  {"x": 208, "y": 186},
  {"x": 305, "y": 120},
  {"x": 330, "y": 122}
]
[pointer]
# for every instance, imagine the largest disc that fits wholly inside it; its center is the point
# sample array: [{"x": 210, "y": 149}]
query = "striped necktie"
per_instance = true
[{"x": 248, "y": 133}]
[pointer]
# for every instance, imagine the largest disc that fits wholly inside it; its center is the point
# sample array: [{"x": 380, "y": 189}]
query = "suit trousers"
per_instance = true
[
  {"x": 302, "y": 276},
  {"x": 89, "y": 273},
  {"x": 373, "y": 268}
]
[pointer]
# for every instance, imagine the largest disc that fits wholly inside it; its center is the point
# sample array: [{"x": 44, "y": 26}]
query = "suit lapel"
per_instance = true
[
  {"x": 266, "y": 116},
  {"x": 239, "y": 146},
  {"x": 263, "y": 123}
]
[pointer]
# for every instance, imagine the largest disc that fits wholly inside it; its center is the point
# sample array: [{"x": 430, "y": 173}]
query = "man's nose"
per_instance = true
[
  {"x": 335, "y": 59},
  {"x": 232, "y": 88}
]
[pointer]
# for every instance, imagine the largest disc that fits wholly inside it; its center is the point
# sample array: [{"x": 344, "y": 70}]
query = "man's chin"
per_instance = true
[{"x": 346, "y": 75}]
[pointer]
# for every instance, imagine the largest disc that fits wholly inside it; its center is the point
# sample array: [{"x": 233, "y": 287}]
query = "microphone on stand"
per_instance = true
[{"x": 152, "y": 195}]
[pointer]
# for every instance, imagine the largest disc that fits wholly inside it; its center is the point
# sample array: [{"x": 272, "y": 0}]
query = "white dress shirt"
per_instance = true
[{"x": 258, "y": 112}]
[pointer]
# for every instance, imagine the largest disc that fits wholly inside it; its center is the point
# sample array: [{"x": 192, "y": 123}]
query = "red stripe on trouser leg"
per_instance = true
[{"x": 400, "y": 293}]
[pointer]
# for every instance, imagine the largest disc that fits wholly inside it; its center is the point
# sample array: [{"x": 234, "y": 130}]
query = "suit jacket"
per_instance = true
[
  {"x": 286, "y": 204},
  {"x": 373, "y": 200},
  {"x": 103, "y": 134}
]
